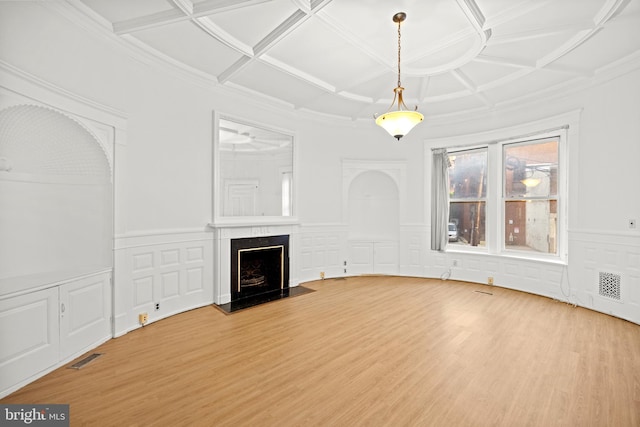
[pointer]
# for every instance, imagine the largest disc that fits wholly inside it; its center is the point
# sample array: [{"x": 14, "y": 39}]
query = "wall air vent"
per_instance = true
[{"x": 610, "y": 285}]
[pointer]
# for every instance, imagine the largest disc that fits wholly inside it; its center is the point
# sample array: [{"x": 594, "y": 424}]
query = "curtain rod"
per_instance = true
[{"x": 496, "y": 141}]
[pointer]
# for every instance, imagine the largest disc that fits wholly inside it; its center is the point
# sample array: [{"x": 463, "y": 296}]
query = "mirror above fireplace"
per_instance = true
[{"x": 253, "y": 172}]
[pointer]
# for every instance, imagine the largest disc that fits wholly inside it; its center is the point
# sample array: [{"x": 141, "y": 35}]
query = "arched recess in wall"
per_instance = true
[
  {"x": 57, "y": 196},
  {"x": 374, "y": 211},
  {"x": 373, "y": 194}
]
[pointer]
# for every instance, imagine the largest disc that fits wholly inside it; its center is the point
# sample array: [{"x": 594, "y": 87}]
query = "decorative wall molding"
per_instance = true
[
  {"x": 631, "y": 238},
  {"x": 159, "y": 237},
  {"x": 39, "y": 90},
  {"x": 352, "y": 168},
  {"x": 322, "y": 249},
  {"x": 171, "y": 270}
]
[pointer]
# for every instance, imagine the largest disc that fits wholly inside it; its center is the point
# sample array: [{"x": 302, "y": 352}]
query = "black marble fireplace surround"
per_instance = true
[{"x": 259, "y": 269}]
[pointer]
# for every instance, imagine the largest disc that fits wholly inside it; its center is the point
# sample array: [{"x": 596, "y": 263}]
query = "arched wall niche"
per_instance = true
[
  {"x": 57, "y": 197},
  {"x": 351, "y": 169},
  {"x": 374, "y": 194},
  {"x": 49, "y": 142},
  {"x": 374, "y": 210}
]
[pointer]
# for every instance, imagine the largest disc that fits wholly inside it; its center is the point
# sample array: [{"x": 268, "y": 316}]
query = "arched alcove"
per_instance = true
[
  {"x": 373, "y": 200},
  {"x": 56, "y": 215},
  {"x": 374, "y": 211}
]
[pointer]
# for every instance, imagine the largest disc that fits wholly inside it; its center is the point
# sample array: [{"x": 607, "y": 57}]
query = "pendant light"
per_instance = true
[{"x": 398, "y": 123}]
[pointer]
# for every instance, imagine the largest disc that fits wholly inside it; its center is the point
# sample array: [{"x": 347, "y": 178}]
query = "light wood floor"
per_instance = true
[{"x": 377, "y": 351}]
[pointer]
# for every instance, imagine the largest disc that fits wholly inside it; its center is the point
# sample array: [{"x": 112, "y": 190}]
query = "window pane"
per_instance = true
[
  {"x": 467, "y": 175},
  {"x": 531, "y": 169},
  {"x": 531, "y": 225},
  {"x": 467, "y": 223}
]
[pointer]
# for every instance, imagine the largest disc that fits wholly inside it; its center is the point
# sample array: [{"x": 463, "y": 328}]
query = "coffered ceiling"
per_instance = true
[{"x": 339, "y": 57}]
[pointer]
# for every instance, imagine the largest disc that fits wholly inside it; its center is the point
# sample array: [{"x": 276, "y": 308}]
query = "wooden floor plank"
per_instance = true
[{"x": 364, "y": 351}]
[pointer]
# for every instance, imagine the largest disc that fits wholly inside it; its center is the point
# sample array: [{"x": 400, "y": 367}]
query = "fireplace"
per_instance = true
[{"x": 259, "y": 266}]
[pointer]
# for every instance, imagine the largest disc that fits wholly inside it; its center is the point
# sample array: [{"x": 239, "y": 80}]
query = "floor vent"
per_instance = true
[
  {"x": 610, "y": 285},
  {"x": 82, "y": 363},
  {"x": 483, "y": 292}
]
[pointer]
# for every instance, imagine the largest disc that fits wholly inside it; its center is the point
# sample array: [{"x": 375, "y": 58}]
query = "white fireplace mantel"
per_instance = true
[{"x": 225, "y": 231}]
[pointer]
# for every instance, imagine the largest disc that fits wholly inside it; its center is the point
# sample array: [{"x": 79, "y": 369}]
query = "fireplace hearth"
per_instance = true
[{"x": 259, "y": 265}]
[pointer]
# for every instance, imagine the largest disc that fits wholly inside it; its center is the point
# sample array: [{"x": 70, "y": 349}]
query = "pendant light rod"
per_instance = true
[{"x": 399, "y": 18}]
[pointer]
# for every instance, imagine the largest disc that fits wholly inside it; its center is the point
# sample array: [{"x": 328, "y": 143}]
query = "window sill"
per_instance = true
[{"x": 550, "y": 259}]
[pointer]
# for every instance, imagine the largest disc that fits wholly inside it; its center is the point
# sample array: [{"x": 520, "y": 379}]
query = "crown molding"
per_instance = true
[{"x": 28, "y": 85}]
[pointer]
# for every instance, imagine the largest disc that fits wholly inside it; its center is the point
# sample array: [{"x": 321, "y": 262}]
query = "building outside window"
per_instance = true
[
  {"x": 530, "y": 196},
  {"x": 468, "y": 197}
]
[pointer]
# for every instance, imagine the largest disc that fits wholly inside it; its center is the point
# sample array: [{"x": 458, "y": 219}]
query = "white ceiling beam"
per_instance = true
[
  {"x": 185, "y": 6},
  {"x": 183, "y": 10},
  {"x": 464, "y": 80},
  {"x": 509, "y": 62},
  {"x": 350, "y": 37},
  {"x": 471, "y": 9},
  {"x": 149, "y": 21},
  {"x": 471, "y": 86},
  {"x": 539, "y": 33},
  {"x": 609, "y": 10},
  {"x": 208, "y": 7},
  {"x": 289, "y": 24},
  {"x": 517, "y": 10},
  {"x": 208, "y": 26},
  {"x": 298, "y": 73},
  {"x": 234, "y": 68},
  {"x": 579, "y": 72}
]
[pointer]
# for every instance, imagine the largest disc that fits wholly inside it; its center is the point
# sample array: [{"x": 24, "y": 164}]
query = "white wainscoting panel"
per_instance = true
[
  {"x": 161, "y": 273},
  {"x": 194, "y": 280},
  {"x": 142, "y": 291},
  {"x": 85, "y": 314},
  {"x": 361, "y": 259},
  {"x": 170, "y": 286},
  {"x": 595, "y": 252},
  {"x": 578, "y": 282},
  {"x": 42, "y": 329},
  {"x": 29, "y": 336},
  {"x": 413, "y": 243},
  {"x": 322, "y": 249}
]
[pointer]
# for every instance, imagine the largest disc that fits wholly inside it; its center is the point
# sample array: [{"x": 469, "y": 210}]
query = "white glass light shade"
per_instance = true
[{"x": 399, "y": 123}]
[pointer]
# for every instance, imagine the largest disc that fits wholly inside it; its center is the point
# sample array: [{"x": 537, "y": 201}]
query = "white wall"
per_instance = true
[{"x": 163, "y": 172}]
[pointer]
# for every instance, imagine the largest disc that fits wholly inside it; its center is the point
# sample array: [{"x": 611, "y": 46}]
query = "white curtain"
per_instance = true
[{"x": 439, "y": 199}]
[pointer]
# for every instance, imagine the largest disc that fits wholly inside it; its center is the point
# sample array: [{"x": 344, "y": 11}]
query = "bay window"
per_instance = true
[{"x": 508, "y": 196}]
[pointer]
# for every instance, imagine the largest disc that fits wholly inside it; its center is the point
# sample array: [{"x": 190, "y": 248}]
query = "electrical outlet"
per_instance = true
[
  {"x": 490, "y": 281},
  {"x": 632, "y": 223},
  {"x": 143, "y": 318},
  {"x": 157, "y": 306},
  {"x": 454, "y": 263},
  {"x": 322, "y": 275}
]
